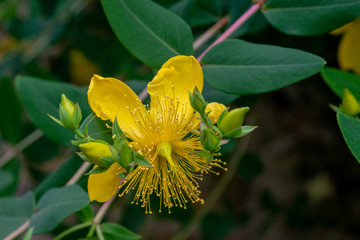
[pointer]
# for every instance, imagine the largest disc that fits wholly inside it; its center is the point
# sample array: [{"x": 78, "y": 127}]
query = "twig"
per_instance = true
[
  {"x": 79, "y": 173},
  {"x": 14, "y": 151},
  {"x": 18, "y": 231},
  {"x": 241, "y": 20},
  {"x": 210, "y": 32}
]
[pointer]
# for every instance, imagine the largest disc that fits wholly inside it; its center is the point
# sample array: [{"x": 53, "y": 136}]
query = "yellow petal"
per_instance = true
[
  {"x": 349, "y": 48},
  {"x": 103, "y": 186},
  {"x": 215, "y": 110},
  {"x": 341, "y": 30},
  {"x": 109, "y": 97},
  {"x": 175, "y": 79}
]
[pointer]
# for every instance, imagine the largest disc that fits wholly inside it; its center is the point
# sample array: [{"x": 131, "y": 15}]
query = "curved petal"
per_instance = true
[
  {"x": 175, "y": 79},
  {"x": 109, "y": 97},
  {"x": 103, "y": 186},
  {"x": 215, "y": 110},
  {"x": 349, "y": 48}
]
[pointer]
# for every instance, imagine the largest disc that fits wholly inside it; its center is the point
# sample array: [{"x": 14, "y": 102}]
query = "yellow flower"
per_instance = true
[
  {"x": 349, "y": 47},
  {"x": 160, "y": 132}
]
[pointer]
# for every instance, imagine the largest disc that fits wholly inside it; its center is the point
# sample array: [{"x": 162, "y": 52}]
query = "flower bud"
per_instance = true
[
  {"x": 197, "y": 101},
  {"x": 95, "y": 151},
  {"x": 69, "y": 113},
  {"x": 125, "y": 155},
  {"x": 209, "y": 140},
  {"x": 349, "y": 104},
  {"x": 233, "y": 120},
  {"x": 215, "y": 110}
]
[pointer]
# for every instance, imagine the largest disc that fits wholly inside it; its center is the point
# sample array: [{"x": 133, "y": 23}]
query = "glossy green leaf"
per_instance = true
[
  {"x": 114, "y": 231},
  {"x": 97, "y": 128},
  {"x": 40, "y": 97},
  {"x": 243, "y": 68},
  {"x": 337, "y": 80},
  {"x": 56, "y": 205},
  {"x": 14, "y": 212},
  {"x": 350, "y": 129},
  {"x": 11, "y": 113},
  {"x": 60, "y": 176},
  {"x": 150, "y": 32},
  {"x": 310, "y": 17}
]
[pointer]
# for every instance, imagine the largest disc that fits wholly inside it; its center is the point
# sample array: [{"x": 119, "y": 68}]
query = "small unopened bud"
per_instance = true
[
  {"x": 69, "y": 114},
  {"x": 232, "y": 121},
  {"x": 210, "y": 141},
  {"x": 349, "y": 104},
  {"x": 125, "y": 155},
  {"x": 95, "y": 151},
  {"x": 197, "y": 101}
]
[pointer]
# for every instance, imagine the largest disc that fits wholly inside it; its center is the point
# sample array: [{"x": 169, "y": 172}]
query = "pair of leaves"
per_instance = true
[{"x": 52, "y": 208}]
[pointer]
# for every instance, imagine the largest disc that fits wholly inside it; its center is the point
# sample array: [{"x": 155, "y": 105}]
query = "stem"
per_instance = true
[
  {"x": 143, "y": 94},
  {"x": 18, "y": 231},
  {"x": 78, "y": 133},
  {"x": 210, "y": 32},
  {"x": 240, "y": 21},
  {"x": 71, "y": 230},
  {"x": 99, "y": 233},
  {"x": 79, "y": 173},
  {"x": 103, "y": 209},
  {"x": 14, "y": 151}
]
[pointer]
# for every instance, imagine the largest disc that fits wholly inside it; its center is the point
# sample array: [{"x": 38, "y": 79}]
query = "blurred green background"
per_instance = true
[{"x": 296, "y": 180}]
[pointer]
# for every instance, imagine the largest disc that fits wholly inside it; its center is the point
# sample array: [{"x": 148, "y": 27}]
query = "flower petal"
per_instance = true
[
  {"x": 215, "y": 110},
  {"x": 349, "y": 48},
  {"x": 175, "y": 79},
  {"x": 109, "y": 97},
  {"x": 103, "y": 186}
]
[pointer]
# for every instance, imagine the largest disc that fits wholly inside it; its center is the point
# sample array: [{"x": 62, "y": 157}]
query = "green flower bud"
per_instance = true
[
  {"x": 209, "y": 140},
  {"x": 95, "y": 152},
  {"x": 349, "y": 104},
  {"x": 232, "y": 121},
  {"x": 69, "y": 113},
  {"x": 197, "y": 101},
  {"x": 126, "y": 155}
]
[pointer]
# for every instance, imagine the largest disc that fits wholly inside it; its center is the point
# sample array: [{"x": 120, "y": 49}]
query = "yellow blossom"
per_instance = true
[
  {"x": 160, "y": 132},
  {"x": 349, "y": 47}
]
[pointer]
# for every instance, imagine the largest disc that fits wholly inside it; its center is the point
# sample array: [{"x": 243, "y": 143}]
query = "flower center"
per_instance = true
[{"x": 164, "y": 150}]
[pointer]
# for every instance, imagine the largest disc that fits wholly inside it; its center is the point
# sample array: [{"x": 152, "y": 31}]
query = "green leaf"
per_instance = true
[
  {"x": 243, "y": 68},
  {"x": 11, "y": 113},
  {"x": 310, "y": 17},
  {"x": 97, "y": 170},
  {"x": 56, "y": 205},
  {"x": 40, "y": 97},
  {"x": 149, "y": 31},
  {"x": 6, "y": 179},
  {"x": 338, "y": 80},
  {"x": 96, "y": 128},
  {"x": 86, "y": 214},
  {"x": 60, "y": 176},
  {"x": 350, "y": 129},
  {"x": 141, "y": 160},
  {"x": 114, "y": 231},
  {"x": 9, "y": 175},
  {"x": 245, "y": 130},
  {"x": 14, "y": 212}
]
